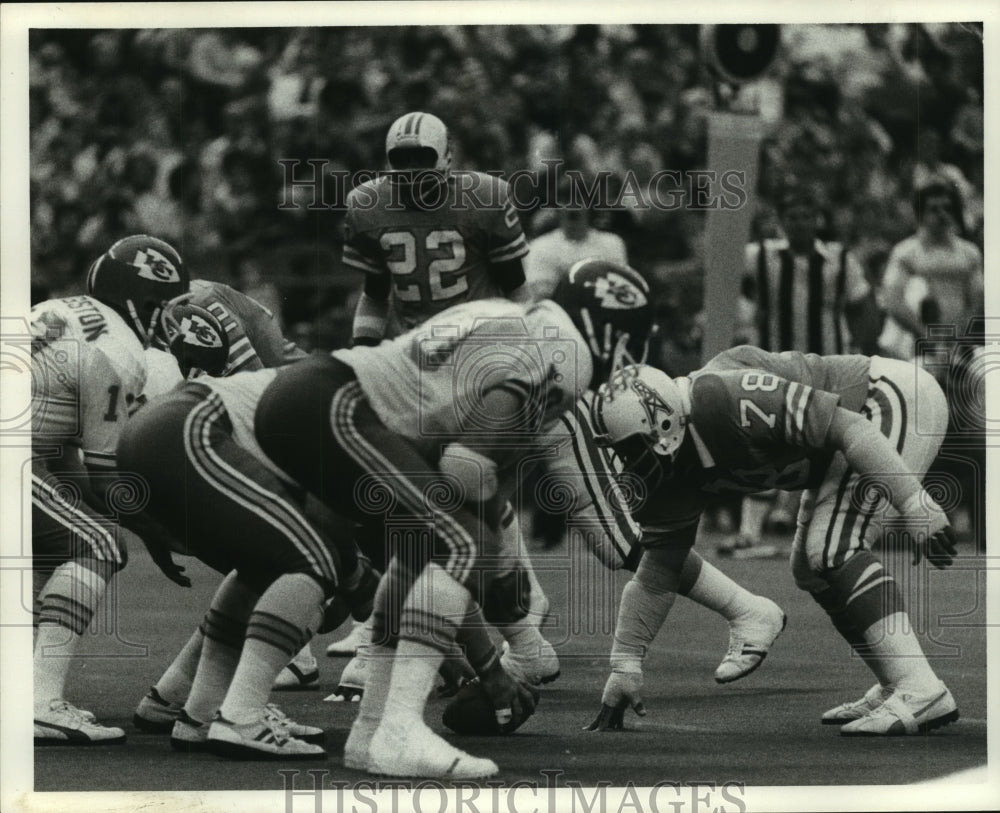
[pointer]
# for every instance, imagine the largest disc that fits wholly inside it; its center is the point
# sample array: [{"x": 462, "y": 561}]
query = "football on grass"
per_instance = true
[{"x": 471, "y": 712}]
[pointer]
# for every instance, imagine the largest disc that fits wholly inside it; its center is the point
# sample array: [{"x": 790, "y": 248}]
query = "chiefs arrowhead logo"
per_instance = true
[
  {"x": 154, "y": 266},
  {"x": 195, "y": 330},
  {"x": 615, "y": 292}
]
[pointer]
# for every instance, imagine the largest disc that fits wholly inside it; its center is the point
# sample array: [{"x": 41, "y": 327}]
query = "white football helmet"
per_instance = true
[
  {"x": 418, "y": 131},
  {"x": 640, "y": 414}
]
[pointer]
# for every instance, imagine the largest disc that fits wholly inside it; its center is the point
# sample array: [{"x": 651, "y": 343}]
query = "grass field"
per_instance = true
[{"x": 763, "y": 730}]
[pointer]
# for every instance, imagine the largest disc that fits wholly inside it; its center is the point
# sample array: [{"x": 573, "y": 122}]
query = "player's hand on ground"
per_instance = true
[
  {"x": 621, "y": 692},
  {"x": 171, "y": 569},
  {"x": 939, "y": 548},
  {"x": 346, "y": 694},
  {"x": 513, "y": 701}
]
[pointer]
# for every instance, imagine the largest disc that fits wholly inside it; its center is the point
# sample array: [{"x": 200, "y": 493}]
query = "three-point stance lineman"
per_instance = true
[{"x": 840, "y": 426}]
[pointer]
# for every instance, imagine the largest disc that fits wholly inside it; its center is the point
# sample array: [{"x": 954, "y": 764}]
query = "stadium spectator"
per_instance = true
[{"x": 554, "y": 253}]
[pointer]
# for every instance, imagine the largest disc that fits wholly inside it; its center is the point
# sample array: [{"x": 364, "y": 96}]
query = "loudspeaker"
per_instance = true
[{"x": 739, "y": 53}]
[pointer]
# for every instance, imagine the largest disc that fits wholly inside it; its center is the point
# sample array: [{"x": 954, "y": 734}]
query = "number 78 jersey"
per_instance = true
[
  {"x": 438, "y": 254},
  {"x": 754, "y": 430}
]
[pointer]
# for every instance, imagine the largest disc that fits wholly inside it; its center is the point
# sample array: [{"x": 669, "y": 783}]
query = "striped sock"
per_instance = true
[
  {"x": 67, "y": 604},
  {"x": 223, "y": 629},
  {"x": 281, "y": 623}
]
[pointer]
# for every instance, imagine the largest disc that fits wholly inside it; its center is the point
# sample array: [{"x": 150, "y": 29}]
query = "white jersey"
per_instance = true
[
  {"x": 89, "y": 375},
  {"x": 240, "y": 394},
  {"x": 431, "y": 381}
]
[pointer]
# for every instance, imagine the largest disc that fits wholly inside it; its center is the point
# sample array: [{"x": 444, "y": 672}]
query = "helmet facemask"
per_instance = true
[
  {"x": 418, "y": 154},
  {"x": 642, "y": 422}
]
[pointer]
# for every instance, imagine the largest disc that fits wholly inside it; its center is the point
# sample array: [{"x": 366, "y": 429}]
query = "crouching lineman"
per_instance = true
[
  {"x": 88, "y": 376},
  {"x": 599, "y": 293},
  {"x": 226, "y": 504},
  {"x": 255, "y": 341},
  {"x": 415, "y": 434},
  {"x": 840, "y": 426}
]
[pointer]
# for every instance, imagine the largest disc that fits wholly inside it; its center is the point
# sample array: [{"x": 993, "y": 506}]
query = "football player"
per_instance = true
[
  {"x": 88, "y": 377},
  {"x": 234, "y": 510},
  {"x": 840, "y": 426},
  {"x": 598, "y": 293},
  {"x": 428, "y": 237},
  {"x": 255, "y": 342}
]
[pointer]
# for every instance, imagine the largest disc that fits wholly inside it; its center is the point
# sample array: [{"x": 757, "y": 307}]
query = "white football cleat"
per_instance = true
[
  {"x": 418, "y": 752},
  {"x": 856, "y": 709},
  {"x": 306, "y": 733},
  {"x": 750, "y": 639},
  {"x": 534, "y": 668},
  {"x": 64, "y": 724},
  {"x": 346, "y": 646},
  {"x": 351, "y": 686},
  {"x": 188, "y": 734},
  {"x": 905, "y": 713},
  {"x": 264, "y": 739},
  {"x": 154, "y": 715}
]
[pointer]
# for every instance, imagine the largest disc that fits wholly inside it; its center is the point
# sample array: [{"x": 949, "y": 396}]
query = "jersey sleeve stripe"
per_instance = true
[
  {"x": 355, "y": 259},
  {"x": 517, "y": 247}
]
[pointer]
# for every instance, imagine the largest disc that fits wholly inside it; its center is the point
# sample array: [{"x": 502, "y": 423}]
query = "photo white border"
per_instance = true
[{"x": 962, "y": 792}]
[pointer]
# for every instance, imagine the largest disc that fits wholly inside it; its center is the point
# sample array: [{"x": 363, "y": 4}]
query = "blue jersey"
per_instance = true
[{"x": 758, "y": 421}]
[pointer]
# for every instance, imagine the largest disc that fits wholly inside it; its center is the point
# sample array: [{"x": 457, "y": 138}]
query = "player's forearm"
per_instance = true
[
  {"x": 871, "y": 453},
  {"x": 371, "y": 317},
  {"x": 641, "y": 612}
]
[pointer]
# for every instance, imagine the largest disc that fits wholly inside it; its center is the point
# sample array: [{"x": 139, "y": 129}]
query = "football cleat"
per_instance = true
[
  {"x": 154, "y": 715},
  {"x": 856, "y": 709},
  {"x": 905, "y": 713},
  {"x": 64, "y": 724},
  {"x": 301, "y": 672},
  {"x": 189, "y": 734},
  {"x": 346, "y": 647},
  {"x": 264, "y": 739},
  {"x": 750, "y": 638},
  {"x": 534, "y": 668},
  {"x": 352, "y": 680},
  {"x": 306, "y": 733},
  {"x": 418, "y": 752}
]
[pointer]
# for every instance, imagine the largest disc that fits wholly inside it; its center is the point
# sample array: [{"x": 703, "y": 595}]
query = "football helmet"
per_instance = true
[
  {"x": 194, "y": 336},
  {"x": 418, "y": 152},
  {"x": 609, "y": 304},
  {"x": 136, "y": 276},
  {"x": 640, "y": 414}
]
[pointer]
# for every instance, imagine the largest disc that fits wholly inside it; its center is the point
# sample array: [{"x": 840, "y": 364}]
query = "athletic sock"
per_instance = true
[
  {"x": 67, "y": 603},
  {"x": 414, "y": 670},
  {"x": 223, "y": 628},
  {"x": 708, "y": 586},
  {"x": 866, "y": 606},
  {"x": 174, "y": 685},
  {"x": 284, "y": 619}
]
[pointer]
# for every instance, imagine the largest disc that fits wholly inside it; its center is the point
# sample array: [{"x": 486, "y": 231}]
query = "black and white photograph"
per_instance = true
[{"x": 485, "y": 406}]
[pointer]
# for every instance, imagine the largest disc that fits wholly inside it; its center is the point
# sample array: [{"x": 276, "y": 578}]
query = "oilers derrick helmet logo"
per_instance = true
[
  {"x": 136, "y": 276},
  {"x": 609, "y": 304},
  {"x": 640, "y": 414},
  {"x": 194, "y": 336}
]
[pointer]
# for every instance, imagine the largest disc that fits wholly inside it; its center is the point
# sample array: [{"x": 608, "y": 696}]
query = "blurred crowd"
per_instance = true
[{"x": 178, "y": 133}]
